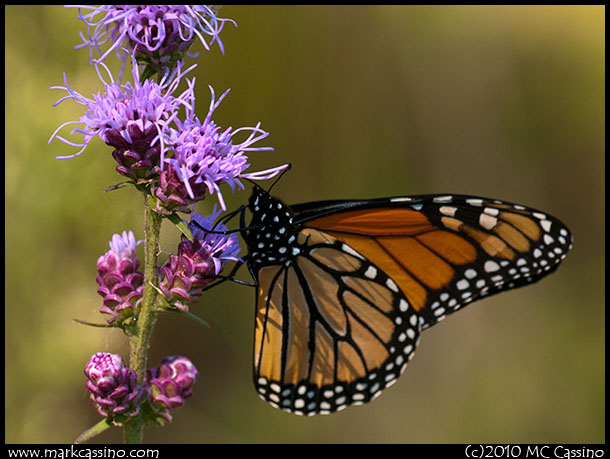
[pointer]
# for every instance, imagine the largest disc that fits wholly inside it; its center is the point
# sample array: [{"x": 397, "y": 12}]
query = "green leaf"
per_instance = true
[
  {"x": 94, "y": 431},
  {"x": 92, "y": 324},
  {"x": 181, "y": 225},
  {"x": 118, "y": 185},
  {"x": 197, "y": 319},
  {"x": 161, "y": 295},
  {"x": 170, "y": 308}
]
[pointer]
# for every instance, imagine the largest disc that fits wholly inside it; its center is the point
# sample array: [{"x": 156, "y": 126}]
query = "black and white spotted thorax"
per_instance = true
[{"x": 272, "y": 235}]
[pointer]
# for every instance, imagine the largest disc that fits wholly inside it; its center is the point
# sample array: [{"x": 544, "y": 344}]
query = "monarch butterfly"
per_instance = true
[{"x": 344, "y": 288}]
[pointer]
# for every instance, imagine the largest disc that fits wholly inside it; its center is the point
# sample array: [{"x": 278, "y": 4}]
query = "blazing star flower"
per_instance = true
[
  {"x": 130, "y": 117},
  {"x": 113, "y": 387},
  {"x": 121, "y": 284},
  {"x": 202, "y": 154},
  {"x": 170, "y": 384},
  {"x": 162, "y": 33},
  {"x": 197, "y": 263}
]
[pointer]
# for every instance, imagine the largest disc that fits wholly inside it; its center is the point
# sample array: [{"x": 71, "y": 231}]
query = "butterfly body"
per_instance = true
[
  {"x": 274, "y": 240},
  {"x": 344, "y": 288}
]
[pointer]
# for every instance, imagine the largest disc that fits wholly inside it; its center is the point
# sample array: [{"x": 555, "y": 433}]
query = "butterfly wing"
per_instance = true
[
  {"x": 445, "y": 251},
  {"x": 331, "y": 329},
  {"x": 345, "y": 287}
]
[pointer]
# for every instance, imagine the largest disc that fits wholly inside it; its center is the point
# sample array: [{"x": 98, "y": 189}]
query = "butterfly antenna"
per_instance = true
[{"x": 279, "y": 177}]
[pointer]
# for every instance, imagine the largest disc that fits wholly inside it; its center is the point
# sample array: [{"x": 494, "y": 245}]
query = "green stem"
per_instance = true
[{"x": 134, "y": 429}]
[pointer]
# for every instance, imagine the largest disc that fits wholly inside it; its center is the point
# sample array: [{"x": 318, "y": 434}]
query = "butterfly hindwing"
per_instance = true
[{"x": 331, "y": 329}]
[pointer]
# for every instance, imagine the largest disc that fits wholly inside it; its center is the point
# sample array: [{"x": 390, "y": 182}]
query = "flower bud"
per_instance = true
[
  {"x": 113, "y": 387},
  {"x": 170, "y": 384},
  {"x": 198, "y": 262},
  {"x": 121, "y": 284},
  {"x": 171, "y": 192}
]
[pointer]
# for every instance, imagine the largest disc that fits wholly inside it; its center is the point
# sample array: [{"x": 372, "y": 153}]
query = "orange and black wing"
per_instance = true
[
  {"x": 445, "y": 251},
  {"x": 345, "y": 287},
  {"x": 332, "y": 329}
]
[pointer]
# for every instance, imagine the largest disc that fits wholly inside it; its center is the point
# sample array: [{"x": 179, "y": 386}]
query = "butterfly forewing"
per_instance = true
[{"x": 445, "y": 251}]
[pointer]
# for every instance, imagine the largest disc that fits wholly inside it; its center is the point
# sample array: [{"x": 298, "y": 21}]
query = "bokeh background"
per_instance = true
[{"x": 364, "y": 101}]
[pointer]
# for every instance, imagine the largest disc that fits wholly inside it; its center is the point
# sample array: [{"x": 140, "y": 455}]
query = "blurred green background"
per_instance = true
[{"x": 364, "y": 101}]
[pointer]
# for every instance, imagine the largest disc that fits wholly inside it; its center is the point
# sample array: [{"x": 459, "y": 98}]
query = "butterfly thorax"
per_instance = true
[{"x": 272, "y": 236}]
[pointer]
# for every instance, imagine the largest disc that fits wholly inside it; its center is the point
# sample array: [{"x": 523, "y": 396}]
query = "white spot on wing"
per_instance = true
[
  {"x": 346, "y": 248},
  {"x": 462, "y": 284},
  {"x": 488, "y": 222},
  {"x": 546, "y": 225},
  {"x": 392, "y": 285},
  {"x": 490, "y": 266},
  {"x": 413, "y": 320},
  {"x": 443, "y": 199},
  {"x": 403, "y": 305},
  {"x": 448, "y": 210}
]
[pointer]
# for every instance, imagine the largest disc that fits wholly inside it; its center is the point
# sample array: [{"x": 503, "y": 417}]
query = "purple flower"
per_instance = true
[
  {"x": 172, "y": 193},
  {"x": 170, "y": 384},
  {"x": 113, "y": 387},
  {"x": 119, "y": 279},
  {"x": 162, "y": 33},
  {"x": 183, "y": 276},
  {"x": 200, "y": 153},
  {"x": 131, "y": 118}
]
